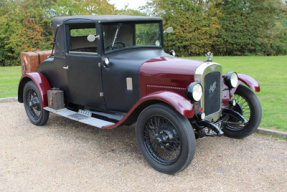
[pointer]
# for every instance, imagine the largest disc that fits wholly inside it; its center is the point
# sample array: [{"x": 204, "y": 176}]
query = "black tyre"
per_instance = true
[
  {"x": 33, "y": 105},
  {"x": 249, "y": 106},
  {"x": 165, "y": 138}
]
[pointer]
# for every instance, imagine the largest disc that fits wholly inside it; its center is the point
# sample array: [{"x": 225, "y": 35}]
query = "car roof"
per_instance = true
[
  {"x": 105, "y": 18},
  {"x": 59, "y": 28}
]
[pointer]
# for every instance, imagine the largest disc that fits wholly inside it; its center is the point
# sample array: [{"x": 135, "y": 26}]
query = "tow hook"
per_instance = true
[{"x": 211, "y": 126}]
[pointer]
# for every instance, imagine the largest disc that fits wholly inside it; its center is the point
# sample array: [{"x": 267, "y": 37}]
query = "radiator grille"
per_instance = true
[{"x": 212, "y": 102}]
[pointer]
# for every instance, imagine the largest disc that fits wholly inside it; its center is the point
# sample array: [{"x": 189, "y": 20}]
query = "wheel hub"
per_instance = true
[
  {"x": 169, "y": 134},
  {"x": 164, "y": 137},
  {"x": 35, "y": 101},
  {"x": 159, "y": 139}
]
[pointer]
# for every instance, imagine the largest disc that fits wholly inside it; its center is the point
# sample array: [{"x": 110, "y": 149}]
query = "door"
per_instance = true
[
  {"x": 82, "y": 66},
  {"x": 84, "y": 78}
]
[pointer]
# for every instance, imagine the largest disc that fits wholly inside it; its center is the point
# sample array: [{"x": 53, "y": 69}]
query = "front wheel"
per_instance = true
[
  {"x": 165, "y": 138},
  {"x": 248, "y": 105},
  {"x": 33, "y": 105}
]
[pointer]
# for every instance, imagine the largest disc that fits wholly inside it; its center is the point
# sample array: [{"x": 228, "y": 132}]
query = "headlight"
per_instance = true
[
  {"x": 231, "y": 79},
  {"x": 194, "y": 92}
]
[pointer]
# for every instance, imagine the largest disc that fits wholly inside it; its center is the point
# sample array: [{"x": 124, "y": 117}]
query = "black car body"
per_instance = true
[{"x": 113, "y": 71}]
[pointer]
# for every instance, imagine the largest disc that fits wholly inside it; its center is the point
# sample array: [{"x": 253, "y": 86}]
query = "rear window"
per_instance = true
[{"x": 83, "y": 32}]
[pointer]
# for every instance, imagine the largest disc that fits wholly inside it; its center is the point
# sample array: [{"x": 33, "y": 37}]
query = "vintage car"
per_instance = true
[{"x": 113, "y": 71}]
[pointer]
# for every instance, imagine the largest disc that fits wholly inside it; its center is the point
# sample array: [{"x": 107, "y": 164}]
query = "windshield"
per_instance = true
[{"x": 123, "y": 35}]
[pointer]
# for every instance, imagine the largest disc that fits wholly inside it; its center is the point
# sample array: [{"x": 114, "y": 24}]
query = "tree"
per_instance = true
[
  {"x": 279, "y": 31},
  {"x": 195, "y": 23},
  {"x": 82, "y": 7},
  {"x": 25, "y": 24},
  {"x": 246, "y": 27},
  {"x": 24, "y": 27}
]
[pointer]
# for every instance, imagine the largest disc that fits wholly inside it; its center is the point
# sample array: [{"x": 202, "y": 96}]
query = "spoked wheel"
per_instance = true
[
  {"x": 33, "y": 105},
  {"x": 165, "y": 138},
  {"x": 161, "y": 139},
  {"x": 248, "y": 105}
]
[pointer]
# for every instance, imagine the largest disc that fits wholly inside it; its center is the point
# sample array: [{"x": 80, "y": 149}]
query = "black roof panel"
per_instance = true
[{"x": 105, "y": 18}]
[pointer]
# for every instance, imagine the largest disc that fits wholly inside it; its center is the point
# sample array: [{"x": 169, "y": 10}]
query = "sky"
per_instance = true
[{"x": 133, "y": 4}]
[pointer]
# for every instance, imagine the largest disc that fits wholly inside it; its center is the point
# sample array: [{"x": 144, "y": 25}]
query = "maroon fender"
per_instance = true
[
  {"x": 179, "y": 103},
  {"x": 249, "y": 81},
  {"x": 40, "y": 81},
  {"x": 243, "y": 79}
]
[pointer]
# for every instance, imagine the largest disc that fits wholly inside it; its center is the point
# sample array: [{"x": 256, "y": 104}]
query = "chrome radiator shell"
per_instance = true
[{"x": 199, "y": 76}]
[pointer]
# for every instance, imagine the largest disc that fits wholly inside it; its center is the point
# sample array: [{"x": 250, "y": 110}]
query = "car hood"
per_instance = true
[
  {"x": 170, "y": 67},
  {"x": 155, "y": 63}
]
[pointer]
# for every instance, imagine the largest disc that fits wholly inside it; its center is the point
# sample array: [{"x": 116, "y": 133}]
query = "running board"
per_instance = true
[{"x": 80, "y": 117}]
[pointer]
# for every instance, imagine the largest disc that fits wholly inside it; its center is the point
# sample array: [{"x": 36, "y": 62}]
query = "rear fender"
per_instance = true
[
  {"x": 178, "y": 102},
  {"x": 40, "y": 81},
  {"x": 243, "y": 79}
]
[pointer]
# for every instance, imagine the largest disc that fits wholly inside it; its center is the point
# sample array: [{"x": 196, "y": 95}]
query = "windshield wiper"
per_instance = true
[{"x": 116, "y": 35}]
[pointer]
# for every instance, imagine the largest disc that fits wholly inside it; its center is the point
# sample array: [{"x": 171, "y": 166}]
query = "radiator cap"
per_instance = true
[{"x": 209, "y": 56}]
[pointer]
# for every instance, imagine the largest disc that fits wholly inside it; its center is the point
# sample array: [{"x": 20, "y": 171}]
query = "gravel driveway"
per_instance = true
[{"x": 65, "y": 155}]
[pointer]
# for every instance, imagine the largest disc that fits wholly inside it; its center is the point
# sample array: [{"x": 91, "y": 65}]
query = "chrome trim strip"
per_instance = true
[{"x": 199, "y": 75}]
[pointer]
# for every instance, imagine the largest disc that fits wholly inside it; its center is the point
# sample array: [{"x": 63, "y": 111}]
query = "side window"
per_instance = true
[{"x": 79, "y": 38}]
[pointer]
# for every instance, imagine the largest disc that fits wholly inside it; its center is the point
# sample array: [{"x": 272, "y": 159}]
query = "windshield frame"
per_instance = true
[{"x": 132, "y": 47}]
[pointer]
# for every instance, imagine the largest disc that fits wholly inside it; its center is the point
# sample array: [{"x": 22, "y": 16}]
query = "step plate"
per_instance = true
[{"x": 80, "y": 118}]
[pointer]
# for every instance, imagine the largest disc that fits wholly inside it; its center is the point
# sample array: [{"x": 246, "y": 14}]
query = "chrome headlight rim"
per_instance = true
[
  {"x": 231, "y": 80},
  {"x": 194, "y": 92}
]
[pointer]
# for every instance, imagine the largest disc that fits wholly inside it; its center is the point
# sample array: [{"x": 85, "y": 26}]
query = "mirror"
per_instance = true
[
  {"x": 172, "y": 53},
  {"x": 157, "y": 43},
  {"x": 91, "y": 38},
  {"x": 169, "y": 30}
]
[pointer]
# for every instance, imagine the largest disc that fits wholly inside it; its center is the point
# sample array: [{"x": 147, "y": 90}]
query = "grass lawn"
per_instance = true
[
  {"x": 270, "y": 72},
  {"x": 9, "y": 79}
]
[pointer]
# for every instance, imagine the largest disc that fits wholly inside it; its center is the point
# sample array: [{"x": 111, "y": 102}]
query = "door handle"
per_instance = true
[{"x": 66, "y": 67}]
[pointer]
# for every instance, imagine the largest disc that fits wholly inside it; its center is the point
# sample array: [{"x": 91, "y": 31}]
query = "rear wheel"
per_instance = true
[
  {"x": 33, "y": 105},
  {"x": 165, "y": 138},
  {"x": 248, "y": 105}
]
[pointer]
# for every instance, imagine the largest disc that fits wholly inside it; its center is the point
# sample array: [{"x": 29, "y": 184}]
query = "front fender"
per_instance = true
[
  {"x": 40, "y": 81},
  {"x": 243, "y": 79},
  {"x": 178, "y": 102},
  {"x": 249, "y": 81}
]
